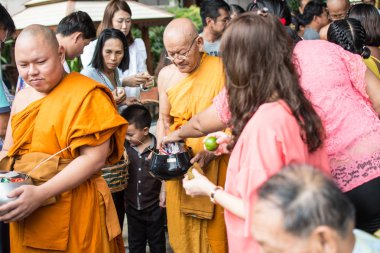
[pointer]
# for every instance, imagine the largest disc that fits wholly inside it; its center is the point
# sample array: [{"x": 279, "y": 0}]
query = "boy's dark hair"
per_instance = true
[
  {"x": 210, "y": 9},
  {"x": 97, "y": 60},
  {"x": 312, "y": 9},
  {"x": 6, "y": 20},
  {"x": 137, "y": 115},
  {"x": 78, "y": 21}
]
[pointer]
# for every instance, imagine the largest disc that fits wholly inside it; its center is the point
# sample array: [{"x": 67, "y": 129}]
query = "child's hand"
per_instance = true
[{"x": 162, "y": 202}]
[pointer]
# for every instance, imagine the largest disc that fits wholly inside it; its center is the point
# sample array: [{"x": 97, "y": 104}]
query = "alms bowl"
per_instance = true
[
  {"x": 6, "y": 188},
  {"x": 170, "y": 167}
]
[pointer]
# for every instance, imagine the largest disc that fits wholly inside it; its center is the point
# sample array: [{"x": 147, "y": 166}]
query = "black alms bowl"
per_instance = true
[{"x": 170, "y": 167}]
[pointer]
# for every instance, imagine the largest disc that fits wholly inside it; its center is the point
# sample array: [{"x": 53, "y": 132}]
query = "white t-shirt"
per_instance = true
[
  {"x": 365, "y": 243},
  {"x": 211, "y": 48}
]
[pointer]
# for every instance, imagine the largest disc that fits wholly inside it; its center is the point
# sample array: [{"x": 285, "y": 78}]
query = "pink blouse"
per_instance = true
[
  {"x": 221, "y": 105},
  {"x": 270, "y": 140},
  {"x": 334, "y": 81}
]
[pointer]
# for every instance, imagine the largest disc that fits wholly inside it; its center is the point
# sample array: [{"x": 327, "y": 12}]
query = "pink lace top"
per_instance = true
[
  {"x": 221, "y": 105},
  {"x": 334, "y": 81}
]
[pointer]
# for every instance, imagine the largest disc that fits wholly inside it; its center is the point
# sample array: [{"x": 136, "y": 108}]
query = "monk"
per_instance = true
[
  {"x": 337, "y": 9},
  {"x": 73, "y": 119},
  {"x": 186, "y": 88}
]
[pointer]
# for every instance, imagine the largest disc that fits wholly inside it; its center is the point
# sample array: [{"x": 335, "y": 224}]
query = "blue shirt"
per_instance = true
[
  {"x": 365, "y": 243},
  {"x": 5, "y": 107}
]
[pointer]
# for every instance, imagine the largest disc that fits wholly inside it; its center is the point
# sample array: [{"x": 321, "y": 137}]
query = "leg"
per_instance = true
[
  {"x": 366, "y": 201},
  {"x": 136, "y": 230},
  {"x": 118, "y": 200},
  {"x": 4, "y": 238},
  {"x": 156, "y": 230}
]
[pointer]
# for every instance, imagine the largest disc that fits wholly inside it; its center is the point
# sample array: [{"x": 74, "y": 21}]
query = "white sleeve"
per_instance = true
[
  {"x": 141, "y": 55},
  {"x": 88, "y": 53}
]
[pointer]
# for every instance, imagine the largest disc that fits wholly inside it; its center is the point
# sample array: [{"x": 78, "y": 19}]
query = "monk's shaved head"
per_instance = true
[
  {"x": 39, "y": 58},
  {"x": 39, "y": 32},
  {"x": 338, "y": 8},
  {"x": 180, "y": 28}
]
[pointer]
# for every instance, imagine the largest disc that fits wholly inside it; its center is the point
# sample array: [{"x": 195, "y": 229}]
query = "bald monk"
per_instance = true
[
  {"x": 69, "y": 208},
  {"x": 186, "y": 88},
  {"x": 337, "y": 9}
]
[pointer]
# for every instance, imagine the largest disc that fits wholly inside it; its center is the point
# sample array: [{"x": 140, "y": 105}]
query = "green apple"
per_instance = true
[{"x": 210, "y": 143}]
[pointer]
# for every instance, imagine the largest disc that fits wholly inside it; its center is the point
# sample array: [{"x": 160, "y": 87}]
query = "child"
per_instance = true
[{"x": 145, "y": 195}]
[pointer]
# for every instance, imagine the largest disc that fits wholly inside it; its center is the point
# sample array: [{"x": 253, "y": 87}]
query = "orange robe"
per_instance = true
[
  {"x": 78, "y": 112},
  {"x": 195, "y": 224}
]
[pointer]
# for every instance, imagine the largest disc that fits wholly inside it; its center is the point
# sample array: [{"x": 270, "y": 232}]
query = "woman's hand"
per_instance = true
[
  {"x": 223, "y": 140},
  {"x": 131, "y": 101},
  {"x": 136, "y": 80},
  {"x": 198, "y": 186},
  {"x": 119, "y": 95},
  {"x": 29, "y": 198}
]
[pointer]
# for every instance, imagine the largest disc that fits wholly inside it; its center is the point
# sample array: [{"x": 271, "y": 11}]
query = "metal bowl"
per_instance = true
[
  {"x": 6, "y": 188},
  {"x": 170, "y": 167}
]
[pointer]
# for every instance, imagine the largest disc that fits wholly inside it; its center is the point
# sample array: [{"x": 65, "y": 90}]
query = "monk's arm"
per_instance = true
[
  {"x": 90, "y": 160},
  {"x": 164, "y": 118},
  {"x": 4, "y": 118},
  {"x": 373, "y": 89}
]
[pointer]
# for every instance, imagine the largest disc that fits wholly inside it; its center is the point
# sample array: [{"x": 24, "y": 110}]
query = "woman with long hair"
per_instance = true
[
  {"x": 369, "y": 17},
  {"x": 134, "y": 78},
  {"x": 273, "y": 123}
]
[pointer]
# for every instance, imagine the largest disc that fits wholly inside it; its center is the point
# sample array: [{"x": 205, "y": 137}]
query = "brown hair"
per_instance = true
[
  {"x": 257, "y": 56},
  {"x": 112, "y": 7}
]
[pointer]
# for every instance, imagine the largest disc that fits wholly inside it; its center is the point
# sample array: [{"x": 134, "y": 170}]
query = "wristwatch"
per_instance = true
[{"x": 212, "y": 199}]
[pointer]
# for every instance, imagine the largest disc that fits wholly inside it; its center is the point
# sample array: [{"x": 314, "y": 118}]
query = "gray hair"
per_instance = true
[{"x": 308, "y": 199}]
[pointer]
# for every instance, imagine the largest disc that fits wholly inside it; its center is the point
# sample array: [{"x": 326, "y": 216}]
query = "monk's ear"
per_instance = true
[
  {"x": 61, "y": 54},
  {"x": 200, "y": 43}
]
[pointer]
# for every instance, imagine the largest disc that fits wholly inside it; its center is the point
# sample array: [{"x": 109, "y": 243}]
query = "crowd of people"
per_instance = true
[{"x": 293, "y": 100}]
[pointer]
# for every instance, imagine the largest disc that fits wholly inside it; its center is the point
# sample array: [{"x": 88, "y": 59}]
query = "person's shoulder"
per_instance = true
[
  {"x": 139, "y": 43},
  {"x": 274, "y": 115},
  {"x": 165, "y": 75}
]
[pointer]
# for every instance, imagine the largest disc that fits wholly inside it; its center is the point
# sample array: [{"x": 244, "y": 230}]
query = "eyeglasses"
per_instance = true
[
  {"x": 337, "y": 16},
  {"x": 180, "y": 56}
]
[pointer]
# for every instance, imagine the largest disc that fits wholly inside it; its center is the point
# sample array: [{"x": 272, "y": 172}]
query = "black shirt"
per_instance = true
[{"x": 143, "y": 189}]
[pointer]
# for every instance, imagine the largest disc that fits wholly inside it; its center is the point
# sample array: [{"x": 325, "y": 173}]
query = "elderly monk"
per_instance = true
[
  {"x": 186, "y": 88},
  {"x": 69, "y": 208},
  {"x": 337, "y": 10}
]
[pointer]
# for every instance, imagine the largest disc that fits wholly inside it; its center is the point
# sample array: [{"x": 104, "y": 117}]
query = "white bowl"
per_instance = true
[{"x": 6, "y": 188}]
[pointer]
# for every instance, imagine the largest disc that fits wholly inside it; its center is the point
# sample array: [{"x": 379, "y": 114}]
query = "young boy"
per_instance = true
[{"x": 145, "y": 195}]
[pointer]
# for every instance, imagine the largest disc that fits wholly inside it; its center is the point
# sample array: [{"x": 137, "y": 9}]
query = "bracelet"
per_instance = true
[{"x": 212, "y": 199}]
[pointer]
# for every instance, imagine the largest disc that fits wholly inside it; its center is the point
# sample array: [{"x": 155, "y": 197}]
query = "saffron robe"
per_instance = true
[
  {"x": 196, "y": 225},
  {"x": 77, "y": 112}
]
